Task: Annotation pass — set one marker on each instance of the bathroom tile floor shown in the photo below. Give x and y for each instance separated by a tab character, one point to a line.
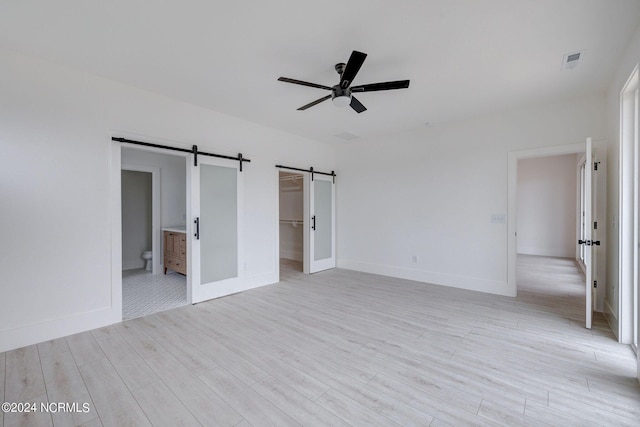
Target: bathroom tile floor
144	293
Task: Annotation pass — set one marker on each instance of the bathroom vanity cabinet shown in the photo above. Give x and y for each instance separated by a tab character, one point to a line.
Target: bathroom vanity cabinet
175	250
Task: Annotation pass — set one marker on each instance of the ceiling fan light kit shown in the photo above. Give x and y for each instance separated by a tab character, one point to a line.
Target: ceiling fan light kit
342	93
340	97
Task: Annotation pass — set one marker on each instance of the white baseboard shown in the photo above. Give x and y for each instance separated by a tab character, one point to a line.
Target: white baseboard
442	279
35	333
48	330
554	252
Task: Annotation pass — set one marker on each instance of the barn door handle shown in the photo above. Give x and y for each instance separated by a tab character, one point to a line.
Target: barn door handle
313	219
197	233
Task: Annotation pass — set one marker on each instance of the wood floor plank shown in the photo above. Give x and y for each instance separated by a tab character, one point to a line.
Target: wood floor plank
252	406
606	413
351	411
93	423
142	343
35	418
162	408
294	404
552	417
383	404
296	378
85	348
442	410
112	399
65	385
199	333
24	380
53	347
158	327
507	415
205	404
132	368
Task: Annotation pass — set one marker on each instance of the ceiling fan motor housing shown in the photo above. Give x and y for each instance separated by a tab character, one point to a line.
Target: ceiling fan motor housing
337	91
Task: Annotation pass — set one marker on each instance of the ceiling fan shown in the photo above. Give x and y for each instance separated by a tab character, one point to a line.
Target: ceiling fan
342	93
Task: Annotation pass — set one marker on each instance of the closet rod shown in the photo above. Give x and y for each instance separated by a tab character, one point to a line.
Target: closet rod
333	174
193	150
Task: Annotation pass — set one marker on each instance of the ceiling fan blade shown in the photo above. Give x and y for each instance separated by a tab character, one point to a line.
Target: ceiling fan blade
399	84
357	105
317	101
300	82
353	66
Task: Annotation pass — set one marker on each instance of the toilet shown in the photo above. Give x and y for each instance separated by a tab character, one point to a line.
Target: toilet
147	256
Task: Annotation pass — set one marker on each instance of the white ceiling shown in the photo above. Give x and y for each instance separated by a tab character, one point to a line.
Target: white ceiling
463	57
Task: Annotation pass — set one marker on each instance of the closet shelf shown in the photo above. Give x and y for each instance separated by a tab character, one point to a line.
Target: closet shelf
291	183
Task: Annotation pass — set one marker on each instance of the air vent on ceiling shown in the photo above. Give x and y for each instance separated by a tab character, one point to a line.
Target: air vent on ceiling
571	60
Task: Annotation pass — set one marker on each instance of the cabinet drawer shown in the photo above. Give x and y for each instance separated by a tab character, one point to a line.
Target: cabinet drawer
175	264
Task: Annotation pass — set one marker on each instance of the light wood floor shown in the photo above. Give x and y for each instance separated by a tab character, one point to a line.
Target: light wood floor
343	348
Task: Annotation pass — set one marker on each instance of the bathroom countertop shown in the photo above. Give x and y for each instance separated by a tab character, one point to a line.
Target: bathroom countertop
179	229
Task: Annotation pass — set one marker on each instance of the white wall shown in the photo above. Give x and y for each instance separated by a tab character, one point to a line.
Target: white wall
546	206
136	218
57	190
430	193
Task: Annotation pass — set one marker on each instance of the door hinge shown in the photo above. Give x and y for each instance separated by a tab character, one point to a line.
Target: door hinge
595	165
595	225
595	283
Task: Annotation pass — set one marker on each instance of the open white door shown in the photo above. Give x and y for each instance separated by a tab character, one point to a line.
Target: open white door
590	238
321	223
216	195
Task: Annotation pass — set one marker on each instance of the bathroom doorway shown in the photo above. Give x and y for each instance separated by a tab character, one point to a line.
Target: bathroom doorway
153	200
137	220
291	223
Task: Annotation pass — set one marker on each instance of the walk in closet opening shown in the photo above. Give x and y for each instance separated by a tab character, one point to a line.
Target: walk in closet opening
291	222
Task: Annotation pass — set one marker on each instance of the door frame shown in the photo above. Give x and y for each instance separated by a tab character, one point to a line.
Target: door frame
116	217
628	321
306	244
512	189
306	178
